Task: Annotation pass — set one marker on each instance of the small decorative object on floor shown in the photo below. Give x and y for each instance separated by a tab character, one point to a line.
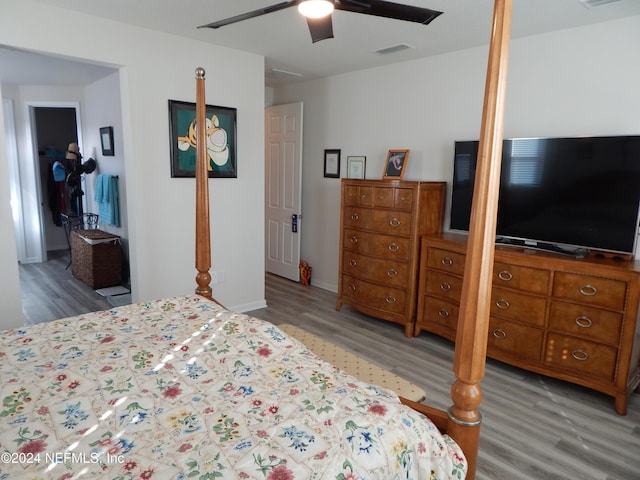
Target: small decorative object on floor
305	273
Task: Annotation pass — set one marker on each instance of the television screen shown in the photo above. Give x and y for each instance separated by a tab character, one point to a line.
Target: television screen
578	192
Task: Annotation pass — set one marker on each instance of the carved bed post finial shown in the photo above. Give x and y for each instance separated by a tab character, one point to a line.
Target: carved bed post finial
473	322
203	238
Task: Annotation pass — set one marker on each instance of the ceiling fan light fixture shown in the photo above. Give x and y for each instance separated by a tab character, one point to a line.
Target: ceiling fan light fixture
315	8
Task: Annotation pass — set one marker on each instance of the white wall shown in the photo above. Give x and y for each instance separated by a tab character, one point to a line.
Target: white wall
154	68
11	310
575	82
101	108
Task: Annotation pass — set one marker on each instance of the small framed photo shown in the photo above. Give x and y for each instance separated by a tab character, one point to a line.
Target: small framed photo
106	141
332	163
356	167
395	165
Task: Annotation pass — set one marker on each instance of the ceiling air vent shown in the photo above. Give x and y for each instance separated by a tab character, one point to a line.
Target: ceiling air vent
596	3
393	49
286	73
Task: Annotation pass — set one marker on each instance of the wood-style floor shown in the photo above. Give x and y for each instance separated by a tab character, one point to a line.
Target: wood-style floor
49	291
534	427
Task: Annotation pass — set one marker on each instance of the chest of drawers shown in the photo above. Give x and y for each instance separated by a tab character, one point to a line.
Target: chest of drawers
572	319
381	222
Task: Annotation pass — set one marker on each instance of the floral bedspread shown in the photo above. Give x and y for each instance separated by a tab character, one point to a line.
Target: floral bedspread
181	388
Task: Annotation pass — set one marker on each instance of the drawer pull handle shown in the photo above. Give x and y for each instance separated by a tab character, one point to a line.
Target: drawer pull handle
394	222
499	333
446	261
443	313
445	287
394	247
354	240
353	263
390	300
352	287
502	304
584	322
505	275
580	355
355	217
588	290
392	272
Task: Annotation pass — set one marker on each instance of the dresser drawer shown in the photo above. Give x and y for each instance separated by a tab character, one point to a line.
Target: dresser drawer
384	221
518	306
389	272
387	246
351	195
583	356
383	197
526	279
586	322
365	196
403	198
380	297
443	285
514	340
445	260
440	312
585	289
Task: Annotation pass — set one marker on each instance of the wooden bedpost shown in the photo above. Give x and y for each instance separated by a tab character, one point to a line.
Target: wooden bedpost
203	238
473	322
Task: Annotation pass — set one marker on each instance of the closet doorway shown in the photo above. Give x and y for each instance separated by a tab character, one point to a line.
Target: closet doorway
53	126
54	129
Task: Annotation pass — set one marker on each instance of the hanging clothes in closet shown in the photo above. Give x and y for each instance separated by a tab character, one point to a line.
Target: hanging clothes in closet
56	174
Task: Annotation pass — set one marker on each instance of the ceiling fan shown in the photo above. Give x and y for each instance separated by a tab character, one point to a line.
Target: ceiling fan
318	13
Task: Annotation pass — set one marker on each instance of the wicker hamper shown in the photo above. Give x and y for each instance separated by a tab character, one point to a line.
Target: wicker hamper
96	258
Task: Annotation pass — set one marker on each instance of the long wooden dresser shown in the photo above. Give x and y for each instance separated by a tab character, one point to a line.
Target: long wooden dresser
381	222
572	319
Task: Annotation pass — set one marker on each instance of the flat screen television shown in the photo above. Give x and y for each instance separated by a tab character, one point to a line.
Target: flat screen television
570	194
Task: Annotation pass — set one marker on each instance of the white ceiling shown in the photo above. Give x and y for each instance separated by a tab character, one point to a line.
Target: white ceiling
283	37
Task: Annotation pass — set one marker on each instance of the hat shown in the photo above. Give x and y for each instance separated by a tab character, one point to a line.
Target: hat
73	152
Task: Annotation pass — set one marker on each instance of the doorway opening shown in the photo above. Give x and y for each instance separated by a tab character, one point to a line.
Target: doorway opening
52	126
54	129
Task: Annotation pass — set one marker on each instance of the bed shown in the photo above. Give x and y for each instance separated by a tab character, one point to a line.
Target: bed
184	388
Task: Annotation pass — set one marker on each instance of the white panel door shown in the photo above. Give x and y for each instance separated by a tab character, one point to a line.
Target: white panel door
283	179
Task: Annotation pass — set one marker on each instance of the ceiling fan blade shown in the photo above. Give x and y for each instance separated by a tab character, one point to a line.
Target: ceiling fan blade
385	9
253	14
320	28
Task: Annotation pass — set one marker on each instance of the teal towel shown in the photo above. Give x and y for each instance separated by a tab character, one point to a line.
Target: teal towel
107	197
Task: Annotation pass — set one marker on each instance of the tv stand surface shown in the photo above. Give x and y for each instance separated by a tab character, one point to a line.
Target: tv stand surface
575	319
575	252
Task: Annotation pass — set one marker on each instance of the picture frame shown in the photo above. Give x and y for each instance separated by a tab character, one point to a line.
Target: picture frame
106	141
332	163
356	166
221	141
396	164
